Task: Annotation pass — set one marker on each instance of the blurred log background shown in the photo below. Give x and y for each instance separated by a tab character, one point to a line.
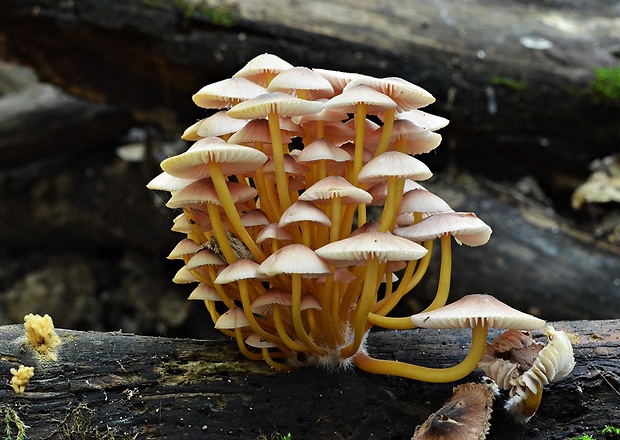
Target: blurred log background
94	93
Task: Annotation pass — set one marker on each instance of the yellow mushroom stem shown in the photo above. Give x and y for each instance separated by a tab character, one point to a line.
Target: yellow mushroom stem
426	374
358	159
277	365
243	349
347	222
247	311
445	273
220	289
280	328
408	281
215	316
386	134
532	402
220	233
200	236
297	321
278	159
335	217
219	182
390	209
365	302
329	327
267	197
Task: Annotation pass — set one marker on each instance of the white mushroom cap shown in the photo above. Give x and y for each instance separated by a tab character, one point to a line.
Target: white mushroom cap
204	292
263	304
191	132
256	68
380	245
274	102
423	120
302	211
464	226
219	124
348	100
233	318
257	130
166	182
394	164
301	78
421	200
273	232
477	309
204	257
242	269
256	341
322	149
184	276
407	95
295	259
335	186
235	159
182	248
203	191
225	93
337	79
254	217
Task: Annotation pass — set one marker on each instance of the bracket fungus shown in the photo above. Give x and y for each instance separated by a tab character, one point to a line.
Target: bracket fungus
299	269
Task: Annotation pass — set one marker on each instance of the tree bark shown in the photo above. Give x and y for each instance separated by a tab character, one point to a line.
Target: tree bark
152	387
516	78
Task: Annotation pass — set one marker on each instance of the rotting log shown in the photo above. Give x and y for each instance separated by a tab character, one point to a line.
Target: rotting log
153	387
514	77
41	121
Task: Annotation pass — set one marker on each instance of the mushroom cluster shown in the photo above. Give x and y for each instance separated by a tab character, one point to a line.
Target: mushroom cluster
273	195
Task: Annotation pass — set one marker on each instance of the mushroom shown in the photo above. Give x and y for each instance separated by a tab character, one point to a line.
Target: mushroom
479	312
208	158
297	261
395	167
465	227
371	249
360	100
519	364
465	416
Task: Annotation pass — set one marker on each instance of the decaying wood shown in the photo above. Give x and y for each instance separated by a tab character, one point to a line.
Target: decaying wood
179	388
41	121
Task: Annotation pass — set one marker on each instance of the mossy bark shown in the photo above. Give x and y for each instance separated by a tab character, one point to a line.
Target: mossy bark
127	385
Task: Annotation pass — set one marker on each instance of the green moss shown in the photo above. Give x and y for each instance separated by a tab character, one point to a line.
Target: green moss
606	83
518	85
223	15
11	419
610	431
78	425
